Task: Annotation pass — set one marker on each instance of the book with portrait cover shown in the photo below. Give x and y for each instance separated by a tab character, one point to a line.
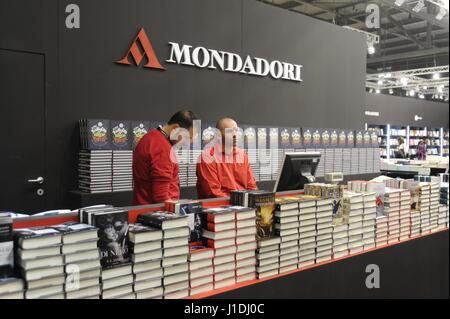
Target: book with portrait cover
139	129
121	135
113	237
192	209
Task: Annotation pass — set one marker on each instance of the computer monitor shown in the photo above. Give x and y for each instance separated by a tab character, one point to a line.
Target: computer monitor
298	169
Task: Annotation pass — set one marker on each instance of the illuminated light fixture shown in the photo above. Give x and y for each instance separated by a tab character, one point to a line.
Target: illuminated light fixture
407	93
404	81
425	87
371	49
391	91
399	2
440	90
381	75
380	82
441	14
436	76
441	97
388	75
421	96
377	91
419	6
412	93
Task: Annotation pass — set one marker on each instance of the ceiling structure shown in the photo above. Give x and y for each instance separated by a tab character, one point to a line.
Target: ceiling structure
409	39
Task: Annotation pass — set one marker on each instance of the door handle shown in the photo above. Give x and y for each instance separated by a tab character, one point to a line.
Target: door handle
39	180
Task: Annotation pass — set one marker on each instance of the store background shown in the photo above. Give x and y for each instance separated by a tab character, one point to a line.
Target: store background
76	77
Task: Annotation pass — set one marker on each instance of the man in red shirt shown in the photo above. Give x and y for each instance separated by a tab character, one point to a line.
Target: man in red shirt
155	168
223	168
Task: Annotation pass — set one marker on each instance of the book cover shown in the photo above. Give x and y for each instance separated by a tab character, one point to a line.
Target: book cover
158	218
285	138
139	129
359	139
192	209
6	246
209	132
350	139
367	140
334	138
296	138
342	139
121	138
250	137
113	238
316	138
264	202
325	137
97	134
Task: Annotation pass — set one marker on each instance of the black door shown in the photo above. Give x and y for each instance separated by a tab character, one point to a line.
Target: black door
22	127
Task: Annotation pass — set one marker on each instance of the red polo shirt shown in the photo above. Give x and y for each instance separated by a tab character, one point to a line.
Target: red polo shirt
155	171
219	174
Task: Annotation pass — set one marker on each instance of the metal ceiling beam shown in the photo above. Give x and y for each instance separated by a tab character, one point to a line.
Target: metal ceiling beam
408	55
424	16
407	33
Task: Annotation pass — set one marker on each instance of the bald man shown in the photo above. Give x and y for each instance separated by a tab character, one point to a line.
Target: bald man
224	167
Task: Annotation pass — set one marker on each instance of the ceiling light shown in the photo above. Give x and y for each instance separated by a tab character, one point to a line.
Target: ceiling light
412	93
391	91
407	93
440	90
404	81
442	13
380	82
399	2
425	87
436	76
421	96
377	91
419	6
371	49
388	75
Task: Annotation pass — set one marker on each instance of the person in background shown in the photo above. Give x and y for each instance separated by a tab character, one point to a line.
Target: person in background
421	151
402	148
223	169
155	170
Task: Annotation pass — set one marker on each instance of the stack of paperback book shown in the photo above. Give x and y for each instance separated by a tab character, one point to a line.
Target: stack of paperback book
424	206
192	167
347	161
267	255
193	210
201	272
443	217
370	214
81	259
117	273
329	160
146	255
40	262
324	229
340	239
354	168
245	243
286	227
122	172
362	160
11	288
338	162
175	250
392	211
95	171
353	212
219	231
381	231
415	223
307	230
183	161
434	206
405	214
444	194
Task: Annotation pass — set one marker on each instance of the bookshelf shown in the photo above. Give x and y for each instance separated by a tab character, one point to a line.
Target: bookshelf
382	131
395	132
433	141
445	140
416	134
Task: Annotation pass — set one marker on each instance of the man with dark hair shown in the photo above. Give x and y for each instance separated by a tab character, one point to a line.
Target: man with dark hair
224	167
155	168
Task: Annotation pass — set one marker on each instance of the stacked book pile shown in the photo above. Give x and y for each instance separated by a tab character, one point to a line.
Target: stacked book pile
307	231
122	172
192	166
40	262
381	230
183	160
175	246
287	228
201	272
267	257
340	239
95	171
443	208
79	247
265	163
219	231
353	212
424	206
392	211
362	160
376	160
253	160
146	255
338	162
329	160
369	220
324	230
434	206
321	167
11	288
346	161
405	214
354	159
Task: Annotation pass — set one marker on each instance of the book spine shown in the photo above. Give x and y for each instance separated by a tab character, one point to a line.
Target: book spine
149	221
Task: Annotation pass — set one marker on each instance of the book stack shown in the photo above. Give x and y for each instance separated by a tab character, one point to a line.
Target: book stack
201	272
182	155
80	251
245	243
347	161
376	160
392	211
443	217
369	220
362	160
117	273
443	194
40	262
434	206
381	230
193	210
95	171
192	166
146	255
11	288
122	171
286	227
268	257
424	206
307	230
338	163
405	214
415	223
175	250
324	230
265	162
354	160
329	160
444	201
320	172
340	238
254	164
219	231
353	212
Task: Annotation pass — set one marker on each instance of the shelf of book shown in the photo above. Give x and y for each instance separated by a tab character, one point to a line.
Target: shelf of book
257	281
